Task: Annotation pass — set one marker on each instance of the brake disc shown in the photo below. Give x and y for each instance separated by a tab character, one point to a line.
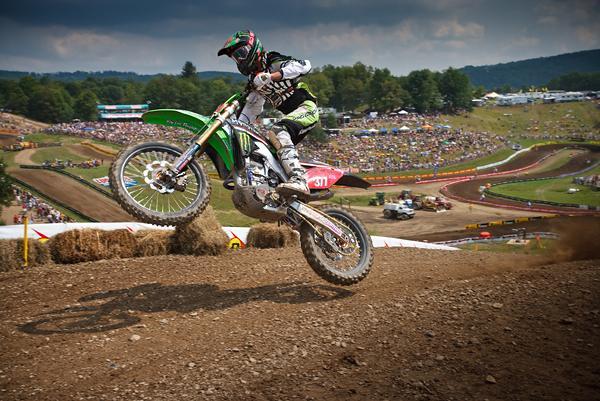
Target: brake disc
153	176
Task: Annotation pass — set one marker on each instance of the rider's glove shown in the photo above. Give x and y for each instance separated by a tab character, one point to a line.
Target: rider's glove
262	79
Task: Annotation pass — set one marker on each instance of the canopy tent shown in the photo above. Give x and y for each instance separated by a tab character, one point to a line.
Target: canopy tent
373	131
427	127
394	130
491	95
403	112
383	130
404	128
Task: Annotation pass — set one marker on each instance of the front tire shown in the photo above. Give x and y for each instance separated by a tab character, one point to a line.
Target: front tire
324	263
182	206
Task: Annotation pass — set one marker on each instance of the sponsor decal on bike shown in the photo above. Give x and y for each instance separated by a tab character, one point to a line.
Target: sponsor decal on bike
319	218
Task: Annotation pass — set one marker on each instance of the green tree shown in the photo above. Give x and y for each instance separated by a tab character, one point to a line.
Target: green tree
16	100
6	194
455	88
50	104
162	92
386	92
112	94
85	106
189	70
321	86
423	91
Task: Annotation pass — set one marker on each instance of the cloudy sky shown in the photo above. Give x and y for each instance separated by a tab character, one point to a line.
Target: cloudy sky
150	36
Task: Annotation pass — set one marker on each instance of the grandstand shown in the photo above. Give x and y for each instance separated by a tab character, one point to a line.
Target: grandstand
121	112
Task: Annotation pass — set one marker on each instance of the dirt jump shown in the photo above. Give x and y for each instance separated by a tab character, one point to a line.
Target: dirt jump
258	325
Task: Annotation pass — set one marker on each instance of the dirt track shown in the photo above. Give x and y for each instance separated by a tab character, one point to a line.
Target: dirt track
469	189
72	193
428	325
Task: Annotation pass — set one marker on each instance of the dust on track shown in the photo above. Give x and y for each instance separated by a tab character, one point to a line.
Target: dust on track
258	325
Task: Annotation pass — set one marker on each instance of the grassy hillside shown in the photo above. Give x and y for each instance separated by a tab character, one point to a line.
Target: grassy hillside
536	71
531	120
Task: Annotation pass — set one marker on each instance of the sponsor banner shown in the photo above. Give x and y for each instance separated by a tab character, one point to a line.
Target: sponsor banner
237	235
129	182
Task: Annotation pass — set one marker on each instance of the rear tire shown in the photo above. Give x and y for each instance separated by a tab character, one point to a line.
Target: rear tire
324	265
125	200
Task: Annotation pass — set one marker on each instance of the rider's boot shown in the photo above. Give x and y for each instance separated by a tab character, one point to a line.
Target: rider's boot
296	185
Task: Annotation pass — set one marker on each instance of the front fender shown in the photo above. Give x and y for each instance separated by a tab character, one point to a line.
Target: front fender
194	122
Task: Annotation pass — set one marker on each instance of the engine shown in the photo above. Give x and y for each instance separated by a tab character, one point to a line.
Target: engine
253	186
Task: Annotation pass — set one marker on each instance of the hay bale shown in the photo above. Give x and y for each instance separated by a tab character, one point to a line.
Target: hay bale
9	257
153	242
202	236
11	254
77	246
119	243
266	235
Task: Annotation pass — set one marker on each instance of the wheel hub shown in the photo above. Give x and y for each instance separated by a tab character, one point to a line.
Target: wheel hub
158	176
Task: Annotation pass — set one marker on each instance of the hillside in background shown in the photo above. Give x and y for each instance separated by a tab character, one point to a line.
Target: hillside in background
128	76
535	71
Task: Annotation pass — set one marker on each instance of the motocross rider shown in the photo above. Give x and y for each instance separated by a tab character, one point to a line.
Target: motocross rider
275	78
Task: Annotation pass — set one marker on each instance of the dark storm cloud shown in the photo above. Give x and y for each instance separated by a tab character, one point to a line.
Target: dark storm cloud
158	36
202	16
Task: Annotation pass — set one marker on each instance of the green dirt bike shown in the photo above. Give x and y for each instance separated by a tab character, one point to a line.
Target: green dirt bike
159	183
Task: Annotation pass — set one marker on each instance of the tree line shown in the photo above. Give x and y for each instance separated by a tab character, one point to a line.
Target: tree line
348	88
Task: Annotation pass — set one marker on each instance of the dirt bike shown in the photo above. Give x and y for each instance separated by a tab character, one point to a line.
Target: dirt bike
161	184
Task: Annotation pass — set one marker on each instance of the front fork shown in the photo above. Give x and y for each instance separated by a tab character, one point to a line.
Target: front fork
218	120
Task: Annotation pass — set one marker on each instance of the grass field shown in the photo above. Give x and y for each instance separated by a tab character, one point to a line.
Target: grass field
554	190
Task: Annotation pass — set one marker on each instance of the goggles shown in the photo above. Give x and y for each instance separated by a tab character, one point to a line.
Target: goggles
240	54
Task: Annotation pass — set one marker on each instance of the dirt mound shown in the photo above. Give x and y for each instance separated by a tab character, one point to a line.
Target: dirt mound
203	236
271	236
258	325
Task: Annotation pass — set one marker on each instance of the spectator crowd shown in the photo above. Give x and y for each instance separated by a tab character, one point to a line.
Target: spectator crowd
384	143
37	210
119	132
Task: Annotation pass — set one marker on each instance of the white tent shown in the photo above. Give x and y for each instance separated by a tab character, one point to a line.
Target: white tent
373	131
404	128
403	112
491	95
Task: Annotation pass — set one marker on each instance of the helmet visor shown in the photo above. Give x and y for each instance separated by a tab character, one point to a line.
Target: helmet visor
240	54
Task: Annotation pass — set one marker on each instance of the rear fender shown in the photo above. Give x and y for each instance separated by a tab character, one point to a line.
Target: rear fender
320	177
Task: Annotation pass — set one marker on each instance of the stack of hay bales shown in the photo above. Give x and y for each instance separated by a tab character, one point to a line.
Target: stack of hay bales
11	254
271	236
153	242
88	245
202	236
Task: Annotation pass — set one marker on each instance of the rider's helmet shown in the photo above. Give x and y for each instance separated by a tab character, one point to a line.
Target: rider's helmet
246	50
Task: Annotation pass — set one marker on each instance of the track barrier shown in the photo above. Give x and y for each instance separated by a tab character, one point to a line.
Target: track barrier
238	234
508	222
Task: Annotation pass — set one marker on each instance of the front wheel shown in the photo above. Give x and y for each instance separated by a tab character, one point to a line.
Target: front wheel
141	183
342	268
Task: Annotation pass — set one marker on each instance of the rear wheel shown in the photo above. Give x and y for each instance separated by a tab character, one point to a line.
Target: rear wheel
338	266
404	216
388	214
141	184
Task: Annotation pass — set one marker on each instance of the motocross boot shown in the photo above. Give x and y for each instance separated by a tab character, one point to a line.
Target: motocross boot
296	185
